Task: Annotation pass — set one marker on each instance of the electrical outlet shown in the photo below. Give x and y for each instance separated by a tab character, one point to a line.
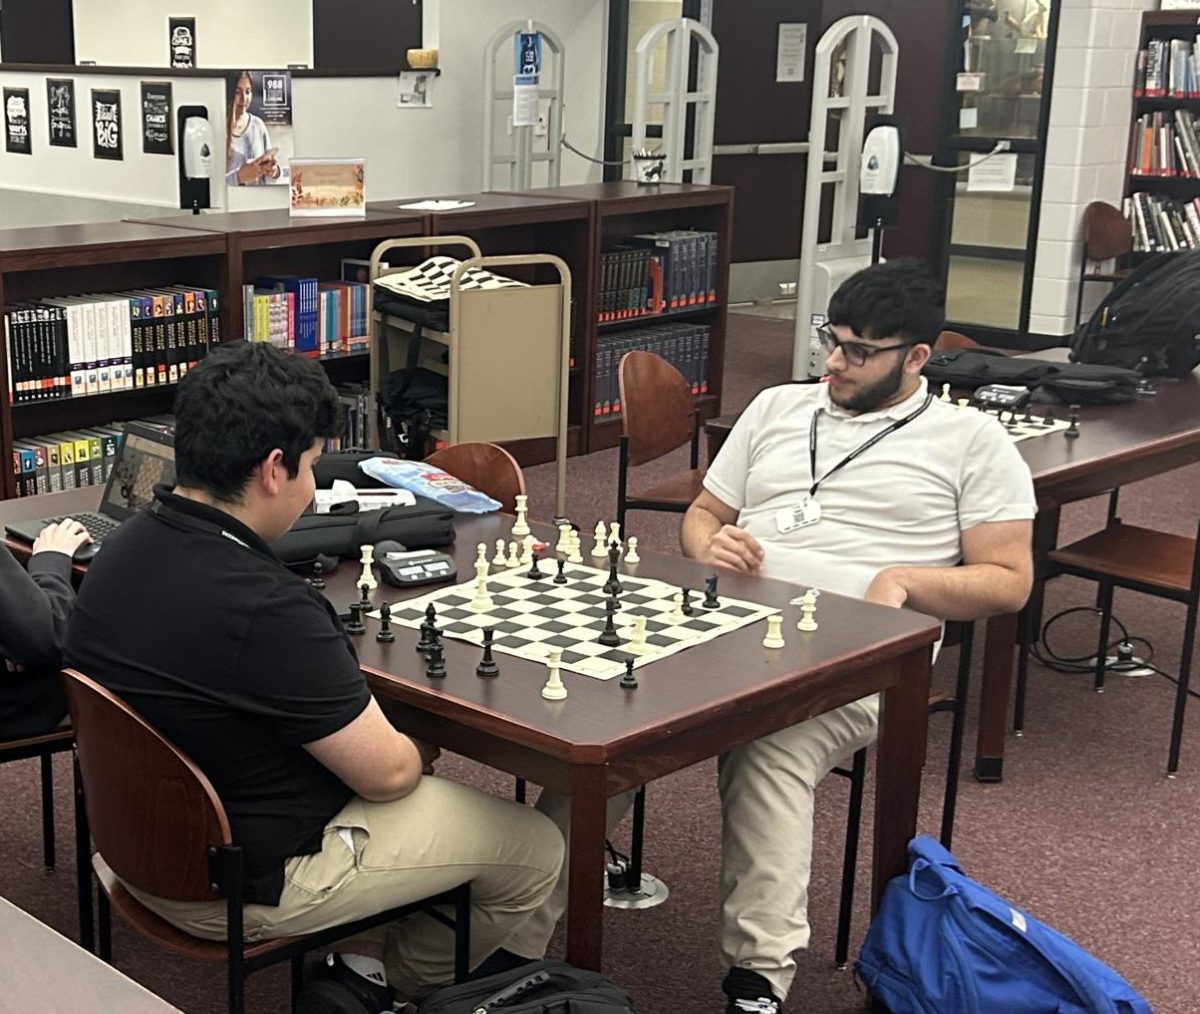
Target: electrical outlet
540	129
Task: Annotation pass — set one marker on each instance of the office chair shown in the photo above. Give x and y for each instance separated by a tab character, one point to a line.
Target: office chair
1106	236
950	341
160	828
487	467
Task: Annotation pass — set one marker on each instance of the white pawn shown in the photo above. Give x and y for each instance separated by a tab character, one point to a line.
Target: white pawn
498	560
598	548
575	552
522	526
774	638
631	553
514	555
808	606
945	393
637	643
527	551
367	577
614	534
554	690
480	554
676	616
964	402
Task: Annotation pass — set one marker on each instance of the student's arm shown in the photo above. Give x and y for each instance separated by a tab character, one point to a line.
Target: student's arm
36	604
710	535
371	757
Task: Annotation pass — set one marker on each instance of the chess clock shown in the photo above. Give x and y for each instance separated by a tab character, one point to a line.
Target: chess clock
1006	397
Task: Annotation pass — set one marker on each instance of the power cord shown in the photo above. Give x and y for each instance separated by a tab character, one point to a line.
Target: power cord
616	868
926	162
598	161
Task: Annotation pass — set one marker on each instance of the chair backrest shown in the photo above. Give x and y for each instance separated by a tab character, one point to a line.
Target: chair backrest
658	412
1106	232
153	813
948	341
487	467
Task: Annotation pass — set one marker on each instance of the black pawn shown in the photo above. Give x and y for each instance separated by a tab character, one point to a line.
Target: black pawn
436	667
710	593
384	634
608	636
560	577
365	590
1072	431
318	576
629	680
1028	419
355	624
535	573
687	607
487	665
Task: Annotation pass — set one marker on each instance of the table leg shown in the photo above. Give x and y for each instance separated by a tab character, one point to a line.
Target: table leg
998	649
585	883
899	758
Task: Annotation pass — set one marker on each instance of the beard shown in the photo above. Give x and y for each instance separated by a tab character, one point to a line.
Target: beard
872	396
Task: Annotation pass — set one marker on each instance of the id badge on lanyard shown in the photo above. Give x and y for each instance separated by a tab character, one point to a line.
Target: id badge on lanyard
807	512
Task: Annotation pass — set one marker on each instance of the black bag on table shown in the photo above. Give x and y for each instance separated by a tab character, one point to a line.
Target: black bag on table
1058	383
1150	321
541	987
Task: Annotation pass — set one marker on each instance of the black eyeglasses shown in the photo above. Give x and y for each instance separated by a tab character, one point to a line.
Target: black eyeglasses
856	353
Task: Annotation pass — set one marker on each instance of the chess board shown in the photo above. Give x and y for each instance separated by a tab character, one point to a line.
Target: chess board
1019	428
530	617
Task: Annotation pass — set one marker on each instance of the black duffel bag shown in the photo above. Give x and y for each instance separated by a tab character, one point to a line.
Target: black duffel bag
1059	383
540	987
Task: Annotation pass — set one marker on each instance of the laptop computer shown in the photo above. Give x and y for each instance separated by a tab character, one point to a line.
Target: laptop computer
145	458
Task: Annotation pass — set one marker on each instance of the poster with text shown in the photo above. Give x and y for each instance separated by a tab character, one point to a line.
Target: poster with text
258	128
60	100
156	118
106	124
16	121
181	37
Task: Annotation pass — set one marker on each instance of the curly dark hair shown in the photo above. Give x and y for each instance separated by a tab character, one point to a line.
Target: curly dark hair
896	299
244	400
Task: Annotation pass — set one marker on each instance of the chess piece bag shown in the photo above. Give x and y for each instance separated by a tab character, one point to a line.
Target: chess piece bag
942	942
967	369
425	525
1088	384
540	987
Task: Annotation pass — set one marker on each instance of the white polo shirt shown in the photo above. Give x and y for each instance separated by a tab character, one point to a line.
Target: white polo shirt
903	502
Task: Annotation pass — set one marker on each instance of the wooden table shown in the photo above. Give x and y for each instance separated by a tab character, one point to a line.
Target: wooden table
690	706
1117	445
44	971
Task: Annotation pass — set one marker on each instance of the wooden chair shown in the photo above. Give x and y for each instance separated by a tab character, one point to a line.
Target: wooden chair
658	414
43	747
160	828
949	341
487	467
1145	560
962	634
1106	236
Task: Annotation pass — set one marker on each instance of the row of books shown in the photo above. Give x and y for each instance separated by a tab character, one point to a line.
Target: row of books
304	314
1165	143
355	407
72	346
1160	223
684	346
1166	68
654	272
59	461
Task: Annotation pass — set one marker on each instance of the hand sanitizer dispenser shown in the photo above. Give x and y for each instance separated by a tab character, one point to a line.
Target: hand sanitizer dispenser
196	151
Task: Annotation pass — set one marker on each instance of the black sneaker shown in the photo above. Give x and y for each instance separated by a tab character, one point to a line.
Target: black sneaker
749	993
337	989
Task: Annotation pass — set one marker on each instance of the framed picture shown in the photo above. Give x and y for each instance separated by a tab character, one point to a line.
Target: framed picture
16	121
328	187
60	99
106	124
181	40
156	118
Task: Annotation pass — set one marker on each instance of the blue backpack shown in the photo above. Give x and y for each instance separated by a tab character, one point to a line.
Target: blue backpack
943	944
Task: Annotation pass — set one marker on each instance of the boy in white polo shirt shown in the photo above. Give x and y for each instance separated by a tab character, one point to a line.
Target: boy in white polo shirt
865	485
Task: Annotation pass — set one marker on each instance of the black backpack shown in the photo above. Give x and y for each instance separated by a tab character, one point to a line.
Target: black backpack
540	987
1150	321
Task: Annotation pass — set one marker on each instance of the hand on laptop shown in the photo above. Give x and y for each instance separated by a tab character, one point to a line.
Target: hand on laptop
64	537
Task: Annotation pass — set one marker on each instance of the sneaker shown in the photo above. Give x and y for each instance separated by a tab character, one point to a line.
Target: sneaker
338	989
749	993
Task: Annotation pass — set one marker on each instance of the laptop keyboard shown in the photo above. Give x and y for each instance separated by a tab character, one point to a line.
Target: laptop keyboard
97	525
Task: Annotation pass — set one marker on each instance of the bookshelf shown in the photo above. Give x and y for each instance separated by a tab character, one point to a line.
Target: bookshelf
1162	178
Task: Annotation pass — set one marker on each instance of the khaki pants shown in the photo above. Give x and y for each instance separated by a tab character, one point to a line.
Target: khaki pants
439	836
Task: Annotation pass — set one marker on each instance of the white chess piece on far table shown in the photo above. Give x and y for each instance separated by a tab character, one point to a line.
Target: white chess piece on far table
499	560
367	577
808	606
631	553
480	554
521	527
599	551
514	555
774	637
945	393
527	551
554	690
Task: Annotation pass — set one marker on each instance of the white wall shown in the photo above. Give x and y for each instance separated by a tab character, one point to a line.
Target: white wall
409	152
1086	147
262	35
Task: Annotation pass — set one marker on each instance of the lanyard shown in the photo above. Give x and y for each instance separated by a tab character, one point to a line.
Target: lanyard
812	443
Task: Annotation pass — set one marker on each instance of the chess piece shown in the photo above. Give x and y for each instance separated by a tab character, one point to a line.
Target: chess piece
629	680
318	576
522	526
482	600
564	539
774	637
384	635
429	631
527	551
963	402
613	585
631	553
560	577
609	636
1028	418
945	393
808	606
364	601
554	690
514	555
499	560
614	534
355	624
637	643
710	593
535	573
598	550
367	577
1072	431
686	605
480	554
435	668
676	616
575	553
487	665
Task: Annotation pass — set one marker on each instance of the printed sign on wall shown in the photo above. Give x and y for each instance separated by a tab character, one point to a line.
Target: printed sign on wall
16	121
106	123
60	99
181	37
156	118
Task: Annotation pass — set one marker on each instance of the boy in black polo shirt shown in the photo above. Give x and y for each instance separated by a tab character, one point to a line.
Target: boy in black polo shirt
247	670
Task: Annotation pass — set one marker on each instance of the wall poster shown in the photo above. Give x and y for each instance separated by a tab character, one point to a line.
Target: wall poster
258	128
106	124
60	99
16	121
156	118
181	37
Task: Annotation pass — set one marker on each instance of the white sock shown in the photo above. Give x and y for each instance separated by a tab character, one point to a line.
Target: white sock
369	968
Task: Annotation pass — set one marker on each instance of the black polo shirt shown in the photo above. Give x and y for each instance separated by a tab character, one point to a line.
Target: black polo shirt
189	617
